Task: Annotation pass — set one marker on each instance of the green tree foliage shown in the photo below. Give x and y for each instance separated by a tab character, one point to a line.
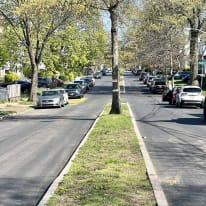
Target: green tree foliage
35	21
74	48
176	13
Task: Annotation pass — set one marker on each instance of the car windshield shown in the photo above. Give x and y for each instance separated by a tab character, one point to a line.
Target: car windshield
61	91
49	93
192	89
79	82
72	86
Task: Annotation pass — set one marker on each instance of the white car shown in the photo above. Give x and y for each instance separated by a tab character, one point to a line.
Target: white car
190	95
65	95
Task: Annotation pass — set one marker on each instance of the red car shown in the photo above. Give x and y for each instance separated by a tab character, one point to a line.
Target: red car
174	94
58	82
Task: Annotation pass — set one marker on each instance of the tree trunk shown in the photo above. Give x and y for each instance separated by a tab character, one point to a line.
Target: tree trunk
116	107
194	37
34	80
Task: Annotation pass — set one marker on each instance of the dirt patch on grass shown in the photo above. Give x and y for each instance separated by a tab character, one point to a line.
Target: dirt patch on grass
14	107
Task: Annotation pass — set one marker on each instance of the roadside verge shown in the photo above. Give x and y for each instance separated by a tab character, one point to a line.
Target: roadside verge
107	169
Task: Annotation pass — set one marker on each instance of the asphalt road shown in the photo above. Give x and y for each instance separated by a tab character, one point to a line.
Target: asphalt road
176	141
36	145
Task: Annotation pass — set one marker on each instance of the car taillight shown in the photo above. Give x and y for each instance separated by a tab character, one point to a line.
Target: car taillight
183	94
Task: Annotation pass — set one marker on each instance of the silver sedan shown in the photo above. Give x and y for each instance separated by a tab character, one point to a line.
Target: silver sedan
50	98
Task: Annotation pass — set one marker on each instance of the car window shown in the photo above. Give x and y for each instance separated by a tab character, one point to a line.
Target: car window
49	93
79	82
192	89
72	86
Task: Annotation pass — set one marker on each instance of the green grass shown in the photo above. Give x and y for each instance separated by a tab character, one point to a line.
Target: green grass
109	169
76	101
5	113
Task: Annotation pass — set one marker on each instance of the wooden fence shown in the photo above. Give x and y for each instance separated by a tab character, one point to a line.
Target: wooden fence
10	93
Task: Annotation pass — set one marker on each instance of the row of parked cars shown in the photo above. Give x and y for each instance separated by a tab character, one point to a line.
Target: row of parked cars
179	95
42	82
59	97
184	95
156	84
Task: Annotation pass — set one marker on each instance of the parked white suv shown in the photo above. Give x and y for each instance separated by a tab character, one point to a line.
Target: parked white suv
190	95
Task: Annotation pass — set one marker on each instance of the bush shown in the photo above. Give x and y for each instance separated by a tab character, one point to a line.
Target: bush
9	78
71	76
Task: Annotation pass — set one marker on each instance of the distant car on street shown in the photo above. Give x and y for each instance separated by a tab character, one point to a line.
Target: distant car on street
25	85
98	75
104	71
44	82
74	90
82	83
158	86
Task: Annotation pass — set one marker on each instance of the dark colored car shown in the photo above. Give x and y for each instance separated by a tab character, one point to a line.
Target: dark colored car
186	78
204	110
158	86
58	82
104	71
44	82
25	85
166	95
142	75
90	81
74	90
83	85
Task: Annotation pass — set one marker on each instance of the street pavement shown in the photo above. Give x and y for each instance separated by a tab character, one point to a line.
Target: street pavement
36	146
175	141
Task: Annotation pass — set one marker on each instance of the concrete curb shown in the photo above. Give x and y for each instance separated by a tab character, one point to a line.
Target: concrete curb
56	182
158	191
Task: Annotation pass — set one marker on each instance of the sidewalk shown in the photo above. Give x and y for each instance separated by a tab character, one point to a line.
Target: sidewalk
12	108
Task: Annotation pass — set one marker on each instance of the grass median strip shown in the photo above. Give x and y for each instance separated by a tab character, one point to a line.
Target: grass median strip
109	169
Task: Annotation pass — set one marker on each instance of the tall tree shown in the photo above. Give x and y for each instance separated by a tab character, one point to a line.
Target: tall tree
113	7
34	22
188	12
